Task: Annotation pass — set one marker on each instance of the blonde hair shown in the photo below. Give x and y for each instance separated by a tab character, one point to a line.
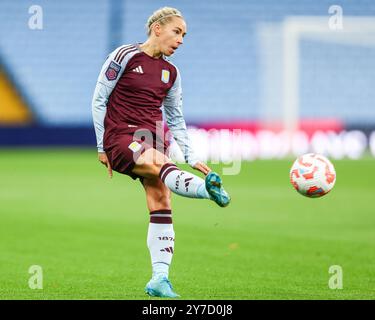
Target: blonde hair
162	16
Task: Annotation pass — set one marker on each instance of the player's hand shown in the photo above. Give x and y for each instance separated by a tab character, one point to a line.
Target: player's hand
104	160
202	167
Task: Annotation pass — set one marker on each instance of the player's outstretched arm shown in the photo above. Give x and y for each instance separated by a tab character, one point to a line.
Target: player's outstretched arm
111	71
176	123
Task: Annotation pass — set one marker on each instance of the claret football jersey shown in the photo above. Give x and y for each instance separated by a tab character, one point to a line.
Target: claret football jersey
140	84
131	89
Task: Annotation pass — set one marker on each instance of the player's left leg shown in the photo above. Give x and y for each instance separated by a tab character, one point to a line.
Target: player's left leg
160	237
152	164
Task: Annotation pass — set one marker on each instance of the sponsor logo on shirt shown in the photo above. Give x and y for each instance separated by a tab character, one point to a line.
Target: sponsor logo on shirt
113	71
165	76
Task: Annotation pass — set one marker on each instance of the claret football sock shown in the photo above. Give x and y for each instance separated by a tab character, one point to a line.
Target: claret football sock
183	183
160	241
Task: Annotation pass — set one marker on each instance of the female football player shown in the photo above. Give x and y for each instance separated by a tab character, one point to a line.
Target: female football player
135	81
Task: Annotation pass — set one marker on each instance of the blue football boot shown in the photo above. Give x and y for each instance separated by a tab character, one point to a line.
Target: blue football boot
160	287
215	189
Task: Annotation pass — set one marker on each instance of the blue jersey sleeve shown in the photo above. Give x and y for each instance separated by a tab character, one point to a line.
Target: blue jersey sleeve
176	122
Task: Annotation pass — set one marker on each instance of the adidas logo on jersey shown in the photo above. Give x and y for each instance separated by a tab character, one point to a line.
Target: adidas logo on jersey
138	69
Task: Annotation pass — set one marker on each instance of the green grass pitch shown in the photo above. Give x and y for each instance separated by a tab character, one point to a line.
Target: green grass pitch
59	210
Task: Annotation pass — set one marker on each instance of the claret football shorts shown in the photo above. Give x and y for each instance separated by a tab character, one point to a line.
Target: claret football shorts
124	149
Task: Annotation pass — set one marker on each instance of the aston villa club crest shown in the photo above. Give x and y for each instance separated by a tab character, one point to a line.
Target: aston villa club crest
165	76
112	71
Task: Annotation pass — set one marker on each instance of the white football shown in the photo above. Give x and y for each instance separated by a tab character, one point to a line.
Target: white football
312	175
